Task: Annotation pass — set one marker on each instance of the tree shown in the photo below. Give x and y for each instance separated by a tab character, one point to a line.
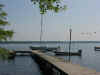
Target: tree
48	5
4	33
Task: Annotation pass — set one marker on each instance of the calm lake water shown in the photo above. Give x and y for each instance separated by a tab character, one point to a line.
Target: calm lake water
89	58
24	65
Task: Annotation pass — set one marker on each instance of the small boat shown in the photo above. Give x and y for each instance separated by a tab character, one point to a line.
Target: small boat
37	48
44	48
12	55
71	53
96	48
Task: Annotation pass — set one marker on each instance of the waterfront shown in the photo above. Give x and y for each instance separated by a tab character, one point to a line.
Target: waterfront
89	58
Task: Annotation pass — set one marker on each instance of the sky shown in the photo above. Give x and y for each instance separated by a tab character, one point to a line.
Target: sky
83	16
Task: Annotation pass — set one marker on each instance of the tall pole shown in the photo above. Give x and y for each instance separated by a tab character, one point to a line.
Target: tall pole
66	45
41	31
70	30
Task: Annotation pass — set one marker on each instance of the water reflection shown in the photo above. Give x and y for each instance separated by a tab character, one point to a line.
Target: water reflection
21	65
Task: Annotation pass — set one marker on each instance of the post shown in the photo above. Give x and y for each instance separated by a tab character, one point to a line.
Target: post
41	31
70	30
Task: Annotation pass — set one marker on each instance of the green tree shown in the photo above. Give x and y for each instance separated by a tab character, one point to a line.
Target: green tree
49	5
4	33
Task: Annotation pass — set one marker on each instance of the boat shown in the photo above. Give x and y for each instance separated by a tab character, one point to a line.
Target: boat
11	55
97	48
44	48
79	53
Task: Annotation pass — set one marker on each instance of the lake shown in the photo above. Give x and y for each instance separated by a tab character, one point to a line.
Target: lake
24	65
89	58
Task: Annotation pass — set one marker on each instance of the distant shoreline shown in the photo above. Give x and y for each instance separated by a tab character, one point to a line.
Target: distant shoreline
49	41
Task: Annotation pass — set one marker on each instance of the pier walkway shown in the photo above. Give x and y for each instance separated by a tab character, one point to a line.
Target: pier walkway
55	66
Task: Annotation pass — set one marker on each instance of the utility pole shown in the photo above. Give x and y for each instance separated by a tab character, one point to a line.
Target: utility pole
70	30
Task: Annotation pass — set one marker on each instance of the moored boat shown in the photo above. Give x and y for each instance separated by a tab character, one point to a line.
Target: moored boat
97	48
44	48
79	53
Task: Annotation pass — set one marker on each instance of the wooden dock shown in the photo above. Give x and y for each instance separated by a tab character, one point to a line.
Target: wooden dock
12	54
23	51
55	66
